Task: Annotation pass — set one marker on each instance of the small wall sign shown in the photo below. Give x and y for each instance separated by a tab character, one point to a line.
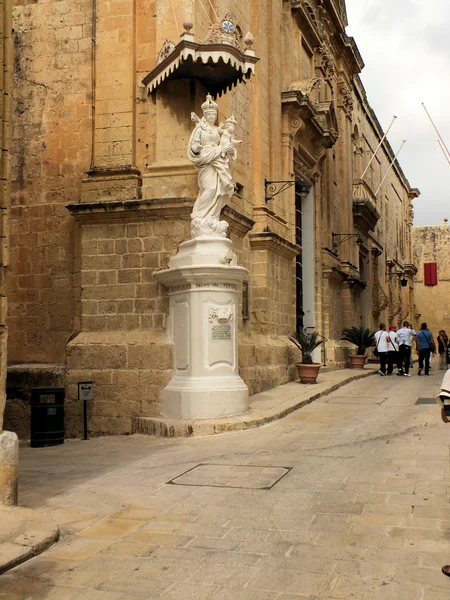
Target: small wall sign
86	390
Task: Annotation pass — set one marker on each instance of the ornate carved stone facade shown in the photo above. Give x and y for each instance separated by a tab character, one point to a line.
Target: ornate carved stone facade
103	189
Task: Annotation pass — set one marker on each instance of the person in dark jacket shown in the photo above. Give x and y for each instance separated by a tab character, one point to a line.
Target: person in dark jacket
425	346
443	350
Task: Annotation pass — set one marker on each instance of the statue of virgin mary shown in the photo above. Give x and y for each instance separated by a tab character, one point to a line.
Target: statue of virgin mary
211	159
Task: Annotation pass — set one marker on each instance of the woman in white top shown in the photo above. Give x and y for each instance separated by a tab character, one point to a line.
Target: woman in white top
393	352
382	342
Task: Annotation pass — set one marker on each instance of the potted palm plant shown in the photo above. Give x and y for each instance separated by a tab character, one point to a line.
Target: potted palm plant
307	343
362	338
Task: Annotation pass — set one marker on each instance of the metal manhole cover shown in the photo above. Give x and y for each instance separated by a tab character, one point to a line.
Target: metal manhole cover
426	401
232	476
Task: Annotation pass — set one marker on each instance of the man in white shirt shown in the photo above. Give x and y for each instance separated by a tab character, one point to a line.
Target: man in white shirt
405	336
393	352
382	342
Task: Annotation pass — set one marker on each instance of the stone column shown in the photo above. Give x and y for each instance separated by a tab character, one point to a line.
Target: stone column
9	444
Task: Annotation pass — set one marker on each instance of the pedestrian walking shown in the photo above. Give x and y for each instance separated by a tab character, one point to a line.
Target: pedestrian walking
382	341
444	402
405	336
393	353
425	347
443	350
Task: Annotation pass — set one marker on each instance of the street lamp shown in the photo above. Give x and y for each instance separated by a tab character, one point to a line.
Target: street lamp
401	274
335	242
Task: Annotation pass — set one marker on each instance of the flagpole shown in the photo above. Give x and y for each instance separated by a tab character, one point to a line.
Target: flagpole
436	129
443	151
378	147
390	167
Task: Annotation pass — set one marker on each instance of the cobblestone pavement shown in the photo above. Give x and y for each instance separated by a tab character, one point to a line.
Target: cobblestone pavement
346	498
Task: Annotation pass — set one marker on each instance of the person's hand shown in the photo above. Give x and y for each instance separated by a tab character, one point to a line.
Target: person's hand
444	416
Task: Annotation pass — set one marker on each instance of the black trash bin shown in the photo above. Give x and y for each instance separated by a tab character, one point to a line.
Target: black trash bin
47	416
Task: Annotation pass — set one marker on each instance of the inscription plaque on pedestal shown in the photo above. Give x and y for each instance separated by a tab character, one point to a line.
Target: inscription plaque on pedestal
221	332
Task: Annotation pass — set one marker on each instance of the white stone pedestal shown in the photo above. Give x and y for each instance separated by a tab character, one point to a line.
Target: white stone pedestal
203	282
9	468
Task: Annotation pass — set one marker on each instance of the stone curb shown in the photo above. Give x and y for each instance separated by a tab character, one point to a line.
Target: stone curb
170	428
24	533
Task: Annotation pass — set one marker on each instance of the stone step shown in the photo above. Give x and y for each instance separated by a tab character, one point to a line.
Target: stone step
265	407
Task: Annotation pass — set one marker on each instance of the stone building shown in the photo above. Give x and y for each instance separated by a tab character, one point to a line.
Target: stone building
103	189
431	251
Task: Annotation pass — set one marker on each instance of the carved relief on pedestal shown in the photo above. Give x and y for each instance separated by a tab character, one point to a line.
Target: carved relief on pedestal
221	349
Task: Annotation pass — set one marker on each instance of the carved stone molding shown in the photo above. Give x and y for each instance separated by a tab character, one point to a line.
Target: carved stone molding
325	61
166	50
268	240
239	223
319	117
345	98
224	32
173	208
365	213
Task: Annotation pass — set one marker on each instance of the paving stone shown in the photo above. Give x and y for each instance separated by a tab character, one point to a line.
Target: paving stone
137	513
224	576
190	591
153	538
195	529
15	584
215	544
77	548
354	588
231	594
426	576
247	535
388	509
111	529
290	581
364	569
435	593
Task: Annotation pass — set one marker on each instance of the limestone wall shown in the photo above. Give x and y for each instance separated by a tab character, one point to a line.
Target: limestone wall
52	151
432	244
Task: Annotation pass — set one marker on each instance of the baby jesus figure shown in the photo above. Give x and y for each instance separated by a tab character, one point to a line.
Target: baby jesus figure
227	139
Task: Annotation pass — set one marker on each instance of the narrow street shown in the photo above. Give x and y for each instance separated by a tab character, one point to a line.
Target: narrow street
346	498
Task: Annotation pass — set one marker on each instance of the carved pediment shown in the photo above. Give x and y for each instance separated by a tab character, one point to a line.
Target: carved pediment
308	87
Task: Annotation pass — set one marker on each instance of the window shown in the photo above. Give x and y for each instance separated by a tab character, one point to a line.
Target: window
430	273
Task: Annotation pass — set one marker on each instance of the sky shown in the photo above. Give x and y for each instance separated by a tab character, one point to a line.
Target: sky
405	45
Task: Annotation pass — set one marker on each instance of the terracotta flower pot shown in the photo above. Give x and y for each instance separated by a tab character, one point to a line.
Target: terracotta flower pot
357	361
308	373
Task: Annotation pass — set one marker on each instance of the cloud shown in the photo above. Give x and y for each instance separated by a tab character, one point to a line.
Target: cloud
405	47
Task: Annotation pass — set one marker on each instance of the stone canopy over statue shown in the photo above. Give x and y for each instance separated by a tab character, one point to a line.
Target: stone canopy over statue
212	150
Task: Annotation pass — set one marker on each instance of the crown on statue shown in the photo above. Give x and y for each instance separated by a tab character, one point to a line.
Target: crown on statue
209	105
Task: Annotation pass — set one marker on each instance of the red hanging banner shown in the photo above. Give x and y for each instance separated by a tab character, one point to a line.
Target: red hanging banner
430	273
